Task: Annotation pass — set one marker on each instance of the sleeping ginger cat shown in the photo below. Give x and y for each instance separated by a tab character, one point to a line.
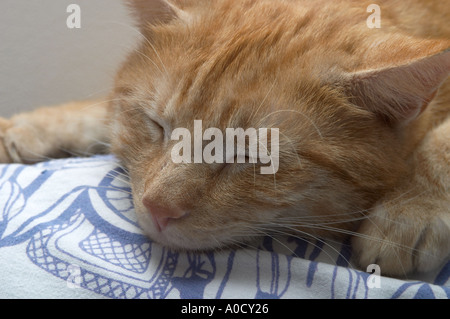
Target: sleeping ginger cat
363	117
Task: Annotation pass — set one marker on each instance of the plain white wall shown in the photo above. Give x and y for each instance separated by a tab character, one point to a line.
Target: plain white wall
43	62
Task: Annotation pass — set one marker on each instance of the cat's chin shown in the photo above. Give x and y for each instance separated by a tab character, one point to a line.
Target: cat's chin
188	245
181	243
178	242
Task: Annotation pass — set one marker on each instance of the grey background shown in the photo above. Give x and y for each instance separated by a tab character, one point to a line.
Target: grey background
43	62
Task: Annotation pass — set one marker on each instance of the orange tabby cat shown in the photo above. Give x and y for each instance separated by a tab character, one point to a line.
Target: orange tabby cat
363	116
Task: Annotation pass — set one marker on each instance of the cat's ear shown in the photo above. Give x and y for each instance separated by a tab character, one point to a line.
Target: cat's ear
156	11
399	93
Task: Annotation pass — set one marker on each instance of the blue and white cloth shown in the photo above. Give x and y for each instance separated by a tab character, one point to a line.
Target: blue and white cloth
68	230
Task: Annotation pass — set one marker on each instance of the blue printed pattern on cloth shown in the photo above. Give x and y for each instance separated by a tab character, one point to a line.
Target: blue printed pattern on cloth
74	219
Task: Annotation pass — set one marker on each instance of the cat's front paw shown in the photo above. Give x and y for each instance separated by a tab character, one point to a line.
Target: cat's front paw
402	239
4	155
26	143
22	141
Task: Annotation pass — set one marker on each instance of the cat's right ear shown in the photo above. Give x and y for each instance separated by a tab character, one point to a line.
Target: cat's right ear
402	92
155	11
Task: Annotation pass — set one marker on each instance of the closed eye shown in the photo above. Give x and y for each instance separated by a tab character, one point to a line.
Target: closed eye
158	127
239	160
156	131
243	157
238	164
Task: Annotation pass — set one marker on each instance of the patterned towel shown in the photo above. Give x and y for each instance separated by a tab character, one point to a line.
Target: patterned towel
68	230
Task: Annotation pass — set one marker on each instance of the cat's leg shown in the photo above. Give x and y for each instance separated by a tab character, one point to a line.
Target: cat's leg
78	128
409	230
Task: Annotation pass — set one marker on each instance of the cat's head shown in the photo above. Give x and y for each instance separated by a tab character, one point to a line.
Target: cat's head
263	65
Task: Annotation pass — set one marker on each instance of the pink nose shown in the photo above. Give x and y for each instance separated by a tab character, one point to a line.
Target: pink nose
162	215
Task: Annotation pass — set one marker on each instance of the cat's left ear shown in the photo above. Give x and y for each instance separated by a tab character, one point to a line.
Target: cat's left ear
399	93
157	11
